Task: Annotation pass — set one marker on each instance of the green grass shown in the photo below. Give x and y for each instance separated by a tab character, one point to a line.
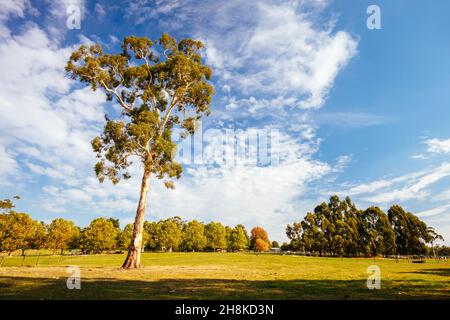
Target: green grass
221	276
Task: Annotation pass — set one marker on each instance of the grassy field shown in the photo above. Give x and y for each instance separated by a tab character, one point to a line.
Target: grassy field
221	276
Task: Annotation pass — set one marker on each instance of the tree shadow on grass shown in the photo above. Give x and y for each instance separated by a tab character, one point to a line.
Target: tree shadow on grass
106	289
445	272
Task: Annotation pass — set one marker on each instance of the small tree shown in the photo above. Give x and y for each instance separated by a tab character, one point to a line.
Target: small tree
61	234
156	95
432	237
17	232
215	236
193	236
239	238
100	235
258	233
7	205
169	234
152	231
295	233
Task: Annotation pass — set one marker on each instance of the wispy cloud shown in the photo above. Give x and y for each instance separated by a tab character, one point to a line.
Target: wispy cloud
401	188
278	51
350	120
435	211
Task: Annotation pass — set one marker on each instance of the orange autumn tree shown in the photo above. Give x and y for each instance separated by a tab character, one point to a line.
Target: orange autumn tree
259	240
261	245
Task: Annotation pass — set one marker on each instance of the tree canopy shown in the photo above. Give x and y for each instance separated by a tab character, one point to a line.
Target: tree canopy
215	236
18	231
258	233
339	228
61	234
100	235
194	236
156	93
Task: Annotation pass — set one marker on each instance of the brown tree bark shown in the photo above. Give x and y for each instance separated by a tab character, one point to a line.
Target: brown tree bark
133	259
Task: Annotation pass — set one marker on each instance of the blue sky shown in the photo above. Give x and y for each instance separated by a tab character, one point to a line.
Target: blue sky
359	112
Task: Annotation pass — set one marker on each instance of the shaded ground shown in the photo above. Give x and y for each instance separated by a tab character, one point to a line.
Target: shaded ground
224	276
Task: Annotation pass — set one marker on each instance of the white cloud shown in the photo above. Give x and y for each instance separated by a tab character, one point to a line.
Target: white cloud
418	157
287	43
45	123
14	9
8	166
55	20
438	146
278	50
284	54
342	162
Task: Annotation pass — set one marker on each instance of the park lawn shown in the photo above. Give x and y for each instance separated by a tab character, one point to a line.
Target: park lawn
221	276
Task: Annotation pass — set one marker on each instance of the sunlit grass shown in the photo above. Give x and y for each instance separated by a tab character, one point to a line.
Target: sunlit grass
222	276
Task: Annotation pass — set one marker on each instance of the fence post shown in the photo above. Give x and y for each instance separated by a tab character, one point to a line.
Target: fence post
23	260
37	261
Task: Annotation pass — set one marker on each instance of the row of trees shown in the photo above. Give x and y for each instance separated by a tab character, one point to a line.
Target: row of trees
339	228
335	228
18	231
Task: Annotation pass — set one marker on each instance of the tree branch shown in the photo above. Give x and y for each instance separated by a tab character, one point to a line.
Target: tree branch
166	116
119	98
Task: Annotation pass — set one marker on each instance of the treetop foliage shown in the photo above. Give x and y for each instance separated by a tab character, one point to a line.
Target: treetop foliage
339	228
156	92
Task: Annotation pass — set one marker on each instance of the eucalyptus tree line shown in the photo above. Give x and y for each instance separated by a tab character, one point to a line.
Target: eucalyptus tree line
339	228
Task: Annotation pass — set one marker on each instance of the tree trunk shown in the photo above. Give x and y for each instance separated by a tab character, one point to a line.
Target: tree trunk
434	252
133	259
